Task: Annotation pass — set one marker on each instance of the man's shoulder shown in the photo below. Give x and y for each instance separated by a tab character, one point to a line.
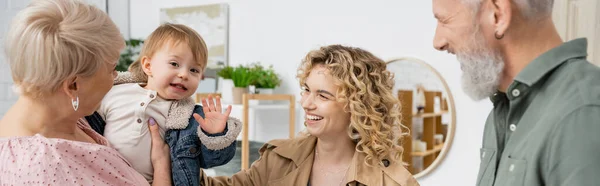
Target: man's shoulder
586	79
577	81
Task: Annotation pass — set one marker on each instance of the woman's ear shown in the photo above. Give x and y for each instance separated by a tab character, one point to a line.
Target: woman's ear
146	65
71	88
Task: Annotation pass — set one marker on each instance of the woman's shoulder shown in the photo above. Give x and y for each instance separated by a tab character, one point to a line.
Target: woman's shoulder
399	174
295	149
299	141
37	159
39	146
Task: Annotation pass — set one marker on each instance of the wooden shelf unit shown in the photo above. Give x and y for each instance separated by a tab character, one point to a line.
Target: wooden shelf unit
428	115
432	125
245	107
435	149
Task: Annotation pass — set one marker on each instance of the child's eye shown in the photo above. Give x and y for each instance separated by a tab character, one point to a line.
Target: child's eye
172	63
194	70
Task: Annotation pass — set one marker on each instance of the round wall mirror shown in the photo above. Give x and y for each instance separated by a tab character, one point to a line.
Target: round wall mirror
427	110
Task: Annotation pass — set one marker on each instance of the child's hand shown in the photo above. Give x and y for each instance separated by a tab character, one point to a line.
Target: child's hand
214	121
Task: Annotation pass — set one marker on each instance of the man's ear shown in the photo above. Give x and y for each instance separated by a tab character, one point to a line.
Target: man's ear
502	16
145	63
71	88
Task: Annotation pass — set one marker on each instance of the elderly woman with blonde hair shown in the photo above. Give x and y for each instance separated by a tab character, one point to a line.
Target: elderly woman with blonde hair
62	55
353	124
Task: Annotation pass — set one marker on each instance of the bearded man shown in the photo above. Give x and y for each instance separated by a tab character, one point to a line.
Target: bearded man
545	124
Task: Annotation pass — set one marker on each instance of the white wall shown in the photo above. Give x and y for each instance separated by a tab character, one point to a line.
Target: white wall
8	9
281	33
118	10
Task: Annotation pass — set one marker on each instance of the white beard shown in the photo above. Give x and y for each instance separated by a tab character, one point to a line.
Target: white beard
482	69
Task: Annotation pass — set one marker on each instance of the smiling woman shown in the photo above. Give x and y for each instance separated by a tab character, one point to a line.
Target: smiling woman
353	125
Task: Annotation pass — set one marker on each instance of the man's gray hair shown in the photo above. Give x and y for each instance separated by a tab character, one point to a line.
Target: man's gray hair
530	9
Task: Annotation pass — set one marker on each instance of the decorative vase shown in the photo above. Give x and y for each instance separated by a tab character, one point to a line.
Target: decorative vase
264	90
238	92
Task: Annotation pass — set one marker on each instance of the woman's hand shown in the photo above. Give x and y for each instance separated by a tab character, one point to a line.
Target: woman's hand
215	120
160	156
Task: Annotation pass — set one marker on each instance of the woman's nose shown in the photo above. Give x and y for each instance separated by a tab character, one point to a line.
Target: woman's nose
307	102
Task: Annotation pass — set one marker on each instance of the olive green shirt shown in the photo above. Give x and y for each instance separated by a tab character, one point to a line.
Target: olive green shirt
545	130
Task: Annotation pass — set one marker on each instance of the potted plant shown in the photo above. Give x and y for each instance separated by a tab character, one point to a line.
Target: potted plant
226	84
129	54
267	81
242	77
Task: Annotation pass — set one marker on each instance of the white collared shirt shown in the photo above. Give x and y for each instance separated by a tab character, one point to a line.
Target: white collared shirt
126	109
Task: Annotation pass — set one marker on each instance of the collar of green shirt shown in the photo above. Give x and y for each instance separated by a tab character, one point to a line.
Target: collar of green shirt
548	61
545	63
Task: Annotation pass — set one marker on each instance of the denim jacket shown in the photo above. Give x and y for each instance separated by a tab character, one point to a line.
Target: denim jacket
188	154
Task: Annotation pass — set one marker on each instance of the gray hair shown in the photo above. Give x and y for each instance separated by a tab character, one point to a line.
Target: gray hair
530	9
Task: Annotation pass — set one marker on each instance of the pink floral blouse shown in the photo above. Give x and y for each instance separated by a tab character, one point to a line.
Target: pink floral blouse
37	160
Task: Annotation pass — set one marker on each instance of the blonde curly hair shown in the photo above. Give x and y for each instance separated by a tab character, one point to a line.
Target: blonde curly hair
365	89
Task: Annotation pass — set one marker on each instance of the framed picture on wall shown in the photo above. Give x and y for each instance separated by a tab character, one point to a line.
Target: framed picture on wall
211	22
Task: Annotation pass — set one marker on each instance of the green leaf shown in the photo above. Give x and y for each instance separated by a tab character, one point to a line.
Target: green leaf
226	72
243	76
267	78
132	49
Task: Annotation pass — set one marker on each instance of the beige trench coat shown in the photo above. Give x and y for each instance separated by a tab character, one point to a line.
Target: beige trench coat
289	162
